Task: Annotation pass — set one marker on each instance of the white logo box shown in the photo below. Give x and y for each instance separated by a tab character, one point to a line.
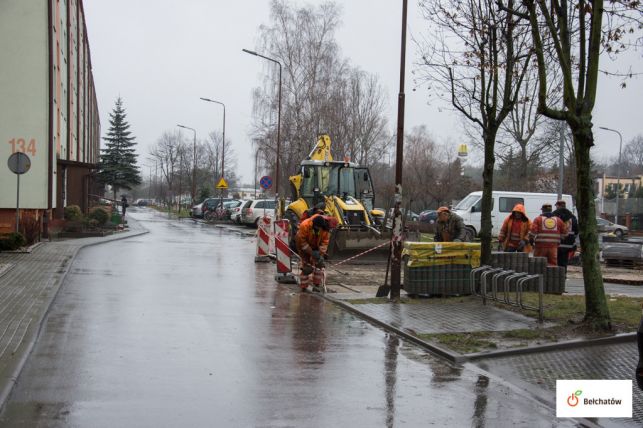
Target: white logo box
594	398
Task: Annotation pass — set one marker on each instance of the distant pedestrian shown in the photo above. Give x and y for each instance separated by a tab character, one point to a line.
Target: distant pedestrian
449	227
514	233
545	235
124	205
567	245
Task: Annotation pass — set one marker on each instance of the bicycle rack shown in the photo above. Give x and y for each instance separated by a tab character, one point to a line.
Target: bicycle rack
518	279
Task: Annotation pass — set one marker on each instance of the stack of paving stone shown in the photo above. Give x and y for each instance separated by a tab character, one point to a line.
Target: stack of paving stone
439	268
554	276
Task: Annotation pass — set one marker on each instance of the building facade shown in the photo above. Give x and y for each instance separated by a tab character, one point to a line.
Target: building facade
49	111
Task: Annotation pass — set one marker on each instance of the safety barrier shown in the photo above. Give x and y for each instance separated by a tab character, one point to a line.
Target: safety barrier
284	264
484	276
263	240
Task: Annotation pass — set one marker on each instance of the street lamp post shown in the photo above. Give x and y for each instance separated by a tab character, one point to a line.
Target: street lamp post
223	149
618	168
278	117
193	163
256	160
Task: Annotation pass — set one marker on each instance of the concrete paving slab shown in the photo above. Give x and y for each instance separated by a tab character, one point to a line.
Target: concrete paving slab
538	372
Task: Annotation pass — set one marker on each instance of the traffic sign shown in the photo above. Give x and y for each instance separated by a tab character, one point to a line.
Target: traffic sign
265	182
222	184
19	163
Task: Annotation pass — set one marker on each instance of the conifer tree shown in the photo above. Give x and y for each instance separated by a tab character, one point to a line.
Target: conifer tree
117	166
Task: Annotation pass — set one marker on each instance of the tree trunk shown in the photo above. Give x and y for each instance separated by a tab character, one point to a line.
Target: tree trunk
487	196
596	311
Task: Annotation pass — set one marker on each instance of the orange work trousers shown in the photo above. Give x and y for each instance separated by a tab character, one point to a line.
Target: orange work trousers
550	252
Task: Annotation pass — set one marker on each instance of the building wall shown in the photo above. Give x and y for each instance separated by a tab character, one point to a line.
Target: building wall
602	184
49	109
24	110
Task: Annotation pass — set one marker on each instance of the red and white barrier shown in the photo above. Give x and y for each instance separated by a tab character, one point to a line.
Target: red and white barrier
284	266
282	228
263	239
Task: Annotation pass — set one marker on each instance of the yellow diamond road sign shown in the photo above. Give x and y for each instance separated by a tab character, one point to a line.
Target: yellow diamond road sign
222	184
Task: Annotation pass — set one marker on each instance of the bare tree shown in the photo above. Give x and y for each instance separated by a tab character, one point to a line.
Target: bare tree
166	153
210	159
632	159
576	33
477	56
321	91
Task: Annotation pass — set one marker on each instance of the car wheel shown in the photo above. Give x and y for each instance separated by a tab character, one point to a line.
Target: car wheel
469	234
618	233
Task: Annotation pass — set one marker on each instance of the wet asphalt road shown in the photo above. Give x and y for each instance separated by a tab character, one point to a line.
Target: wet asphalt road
180	328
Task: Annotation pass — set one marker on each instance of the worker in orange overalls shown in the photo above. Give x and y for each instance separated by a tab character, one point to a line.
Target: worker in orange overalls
312	241
514	233
545	235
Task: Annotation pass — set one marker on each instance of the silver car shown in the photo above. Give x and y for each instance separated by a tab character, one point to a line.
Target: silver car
605	226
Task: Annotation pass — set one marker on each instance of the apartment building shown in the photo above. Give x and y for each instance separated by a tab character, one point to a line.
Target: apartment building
49	109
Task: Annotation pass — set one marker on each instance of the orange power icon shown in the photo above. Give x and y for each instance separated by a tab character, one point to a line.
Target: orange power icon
572	400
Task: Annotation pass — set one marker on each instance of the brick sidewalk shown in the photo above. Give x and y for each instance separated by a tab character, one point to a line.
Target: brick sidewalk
535	372
27	288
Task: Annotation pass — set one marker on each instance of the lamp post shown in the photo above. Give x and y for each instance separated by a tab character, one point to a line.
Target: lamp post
193	163
256	163
223	149
618	168
278	117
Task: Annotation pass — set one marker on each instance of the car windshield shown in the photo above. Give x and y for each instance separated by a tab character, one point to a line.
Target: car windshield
467	202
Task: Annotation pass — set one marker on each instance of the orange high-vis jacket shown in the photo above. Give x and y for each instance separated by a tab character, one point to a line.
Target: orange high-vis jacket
547	231
507	238
308	240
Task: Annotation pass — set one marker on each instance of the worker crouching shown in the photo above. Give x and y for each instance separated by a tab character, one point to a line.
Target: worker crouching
312	241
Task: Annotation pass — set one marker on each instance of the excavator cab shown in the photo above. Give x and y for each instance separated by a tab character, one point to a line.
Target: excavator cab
348	193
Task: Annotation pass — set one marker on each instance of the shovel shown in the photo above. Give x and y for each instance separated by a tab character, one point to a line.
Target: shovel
385	289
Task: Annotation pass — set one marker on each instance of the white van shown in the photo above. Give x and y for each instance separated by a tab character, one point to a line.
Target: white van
503	202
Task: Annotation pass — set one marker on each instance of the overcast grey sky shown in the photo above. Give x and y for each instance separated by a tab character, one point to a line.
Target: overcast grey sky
162	55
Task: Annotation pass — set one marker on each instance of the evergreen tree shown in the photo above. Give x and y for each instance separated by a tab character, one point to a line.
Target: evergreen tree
117	166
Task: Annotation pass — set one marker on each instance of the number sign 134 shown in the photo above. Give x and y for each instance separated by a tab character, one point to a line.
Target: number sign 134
21	145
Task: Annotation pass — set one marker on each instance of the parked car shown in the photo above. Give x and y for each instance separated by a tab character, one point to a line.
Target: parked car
605	226
234	210
410	216
427	221
198	210
428	216
254	209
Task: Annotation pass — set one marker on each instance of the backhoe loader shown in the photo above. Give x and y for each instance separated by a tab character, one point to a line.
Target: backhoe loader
348	194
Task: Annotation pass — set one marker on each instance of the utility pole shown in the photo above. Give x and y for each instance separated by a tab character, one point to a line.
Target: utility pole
396	259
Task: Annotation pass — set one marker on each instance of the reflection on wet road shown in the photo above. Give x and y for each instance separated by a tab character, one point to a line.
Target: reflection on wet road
180	327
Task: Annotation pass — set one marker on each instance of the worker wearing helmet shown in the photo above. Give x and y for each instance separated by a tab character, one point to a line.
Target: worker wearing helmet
449	227
514	233
545	234
312	241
